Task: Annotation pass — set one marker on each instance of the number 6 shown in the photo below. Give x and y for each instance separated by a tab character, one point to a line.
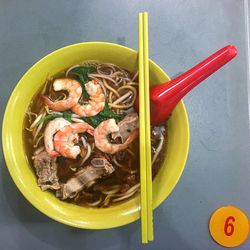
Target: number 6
229	227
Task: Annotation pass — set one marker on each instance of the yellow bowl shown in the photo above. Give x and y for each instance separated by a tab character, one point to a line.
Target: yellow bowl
21	171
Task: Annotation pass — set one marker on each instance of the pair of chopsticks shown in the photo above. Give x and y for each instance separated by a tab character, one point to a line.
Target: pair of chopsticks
145	133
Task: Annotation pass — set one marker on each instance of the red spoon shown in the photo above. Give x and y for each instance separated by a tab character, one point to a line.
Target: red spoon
164	97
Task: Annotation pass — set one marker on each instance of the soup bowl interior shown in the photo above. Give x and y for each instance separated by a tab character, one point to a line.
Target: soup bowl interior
23	174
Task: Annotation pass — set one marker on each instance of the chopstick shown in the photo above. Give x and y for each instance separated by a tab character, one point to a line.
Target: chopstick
145	145
143	173
148	130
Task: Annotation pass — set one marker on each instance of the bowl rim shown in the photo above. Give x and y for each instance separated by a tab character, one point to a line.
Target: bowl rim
5	141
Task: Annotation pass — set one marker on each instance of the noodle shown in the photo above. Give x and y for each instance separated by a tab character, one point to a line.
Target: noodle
36	121
132	84
38	130
95	203
125	106
110	190
87	155
131	152
102	76
110	88
39	150
122	98
63	96
135	76
117	163
159	148
73	67
37	141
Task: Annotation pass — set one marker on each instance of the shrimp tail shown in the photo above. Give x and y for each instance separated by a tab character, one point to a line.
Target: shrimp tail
132	136
74	93
90	131
54	154
47	101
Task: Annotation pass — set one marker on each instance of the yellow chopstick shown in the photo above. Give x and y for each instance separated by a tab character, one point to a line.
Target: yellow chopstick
145	133
143	173
147	129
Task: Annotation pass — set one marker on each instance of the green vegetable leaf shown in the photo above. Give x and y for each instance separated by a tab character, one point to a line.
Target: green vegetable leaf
49	117
110	114
94	121
67	115
104	115
82	72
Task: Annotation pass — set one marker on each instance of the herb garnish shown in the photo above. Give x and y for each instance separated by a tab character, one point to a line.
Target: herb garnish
105	114
82	73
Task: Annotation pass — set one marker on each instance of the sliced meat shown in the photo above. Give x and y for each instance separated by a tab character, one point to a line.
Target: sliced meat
101	162
46	171
99	154
157	131
85	178
122	156
126	126
124	188
130	179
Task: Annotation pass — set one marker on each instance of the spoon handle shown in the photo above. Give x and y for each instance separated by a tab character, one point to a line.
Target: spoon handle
164	97
174	90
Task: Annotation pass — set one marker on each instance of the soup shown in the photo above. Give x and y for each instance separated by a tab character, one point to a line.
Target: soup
81	135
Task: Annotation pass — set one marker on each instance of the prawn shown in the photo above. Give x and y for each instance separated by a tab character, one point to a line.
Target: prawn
75	91
96	103
51	128
104	129
65	138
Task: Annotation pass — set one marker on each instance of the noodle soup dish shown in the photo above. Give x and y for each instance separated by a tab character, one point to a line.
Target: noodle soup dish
81	133
70	136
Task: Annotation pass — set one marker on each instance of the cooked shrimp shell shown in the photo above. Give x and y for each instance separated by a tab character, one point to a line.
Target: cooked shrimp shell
74	89
96	103
101	140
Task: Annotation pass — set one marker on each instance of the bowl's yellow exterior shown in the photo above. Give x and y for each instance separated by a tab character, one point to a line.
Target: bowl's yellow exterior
21	171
